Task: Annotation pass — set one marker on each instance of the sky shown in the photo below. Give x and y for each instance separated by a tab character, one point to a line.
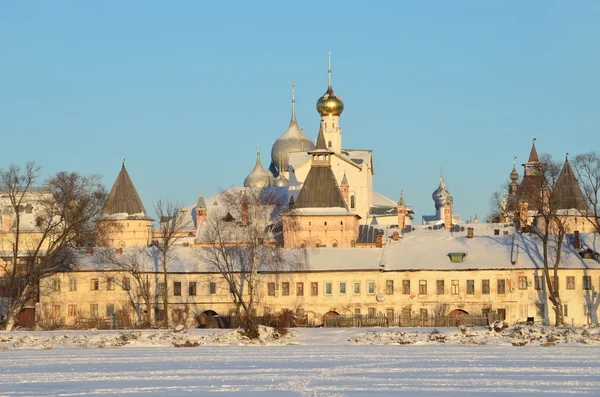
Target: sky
184	90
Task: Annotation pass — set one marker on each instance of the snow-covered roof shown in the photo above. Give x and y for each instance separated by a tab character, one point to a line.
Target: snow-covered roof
412	252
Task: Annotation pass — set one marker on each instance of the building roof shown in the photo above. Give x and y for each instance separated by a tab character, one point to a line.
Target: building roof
426	251
567	192
123	201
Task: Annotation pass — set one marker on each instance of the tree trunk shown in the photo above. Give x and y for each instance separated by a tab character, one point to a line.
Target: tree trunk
166	302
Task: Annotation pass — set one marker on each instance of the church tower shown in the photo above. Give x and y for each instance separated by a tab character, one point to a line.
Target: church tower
124	219
330	107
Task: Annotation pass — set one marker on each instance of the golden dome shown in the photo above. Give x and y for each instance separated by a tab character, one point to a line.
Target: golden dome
330	104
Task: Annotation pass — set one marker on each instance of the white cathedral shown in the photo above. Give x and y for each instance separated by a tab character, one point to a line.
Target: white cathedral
352	168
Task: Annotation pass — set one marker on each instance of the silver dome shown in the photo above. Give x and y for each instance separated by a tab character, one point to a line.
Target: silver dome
292	140
258	177
441	196
281	181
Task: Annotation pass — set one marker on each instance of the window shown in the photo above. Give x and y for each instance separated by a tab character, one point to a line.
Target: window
470	287
110	285
371	287
192	288
72	310
342	288
328	143
372	312
161	289
455	289
502	314
352	202
285	289
327	288
299	289
357	311
439	287
72	284
212	288
522	282
177	288
422	287
406	287
356	288
126	284
314	289
271	289
389	313
95	284
423	313
571	282
110	309
389	287
56	285
94	310
587	282
56	311
539	282
485	287
501	290
406	314
565	310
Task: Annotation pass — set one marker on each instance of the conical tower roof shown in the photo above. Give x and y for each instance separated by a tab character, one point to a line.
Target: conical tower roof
320	189
567	192
201	203
533	156
123	200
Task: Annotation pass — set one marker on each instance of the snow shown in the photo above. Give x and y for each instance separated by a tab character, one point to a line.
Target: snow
316	362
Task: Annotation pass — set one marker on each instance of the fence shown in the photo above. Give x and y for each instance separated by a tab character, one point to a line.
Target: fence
346	321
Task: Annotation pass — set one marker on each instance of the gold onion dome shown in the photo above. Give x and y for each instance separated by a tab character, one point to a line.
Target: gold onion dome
292	140
258	177
514	175
330	104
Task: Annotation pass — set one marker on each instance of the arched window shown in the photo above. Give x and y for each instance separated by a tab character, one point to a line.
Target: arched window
352	202
325	223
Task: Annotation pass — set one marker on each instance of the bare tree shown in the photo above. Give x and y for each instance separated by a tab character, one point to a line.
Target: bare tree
243	240
172	222
43	224
587	169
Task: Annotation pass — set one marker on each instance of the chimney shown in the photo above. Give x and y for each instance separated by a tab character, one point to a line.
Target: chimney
448	216
90	249
523	213
378	239
469	232
244	208
576	240
395	236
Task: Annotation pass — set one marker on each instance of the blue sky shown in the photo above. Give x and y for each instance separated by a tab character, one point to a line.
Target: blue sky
184	90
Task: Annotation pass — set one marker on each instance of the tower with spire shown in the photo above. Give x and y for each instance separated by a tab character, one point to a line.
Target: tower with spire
124	220
330	107
319	216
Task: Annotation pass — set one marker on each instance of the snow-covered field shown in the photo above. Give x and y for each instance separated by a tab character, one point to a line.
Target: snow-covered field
316	362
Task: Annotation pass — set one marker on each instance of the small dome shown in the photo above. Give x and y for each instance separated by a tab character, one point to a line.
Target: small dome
441	196
514	175
281	181
330	104
258	177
